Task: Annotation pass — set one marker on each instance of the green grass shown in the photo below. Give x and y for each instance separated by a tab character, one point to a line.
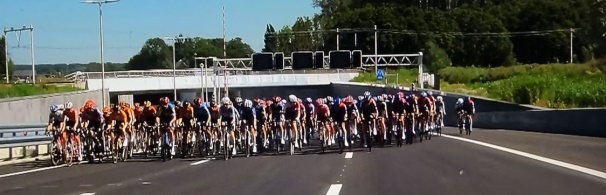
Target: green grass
20	90
550	85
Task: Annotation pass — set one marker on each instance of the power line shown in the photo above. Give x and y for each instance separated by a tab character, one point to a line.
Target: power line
71	48
427	33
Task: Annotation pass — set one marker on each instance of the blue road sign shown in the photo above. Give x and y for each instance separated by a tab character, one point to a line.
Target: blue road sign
380	74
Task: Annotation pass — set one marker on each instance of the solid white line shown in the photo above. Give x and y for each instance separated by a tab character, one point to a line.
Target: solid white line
334	189
30	171
535	157
199	162
87	194
349	155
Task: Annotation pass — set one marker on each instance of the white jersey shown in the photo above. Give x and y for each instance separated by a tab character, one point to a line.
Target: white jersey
55	117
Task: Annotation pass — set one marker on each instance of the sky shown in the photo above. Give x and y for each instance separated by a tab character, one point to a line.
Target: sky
67	31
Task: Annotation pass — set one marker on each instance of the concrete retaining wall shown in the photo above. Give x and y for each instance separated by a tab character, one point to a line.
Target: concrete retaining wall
35	109
585	122
493	114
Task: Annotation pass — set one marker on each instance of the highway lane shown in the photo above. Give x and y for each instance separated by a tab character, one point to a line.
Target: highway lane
584	151
439	166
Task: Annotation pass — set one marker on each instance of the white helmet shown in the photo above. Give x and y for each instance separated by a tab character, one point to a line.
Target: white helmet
308	100
69	105
292	98
225	100
460	100
61	106
430	93
439	98
283	101
248	103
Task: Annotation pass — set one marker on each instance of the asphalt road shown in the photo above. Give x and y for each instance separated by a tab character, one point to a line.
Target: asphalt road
439	166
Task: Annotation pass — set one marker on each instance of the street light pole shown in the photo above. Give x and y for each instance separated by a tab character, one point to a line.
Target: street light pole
100	3
175	39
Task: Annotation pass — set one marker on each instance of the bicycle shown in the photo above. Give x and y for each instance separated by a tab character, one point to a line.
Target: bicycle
322	134
165	149
439	122
371	126
68	150
467	124
118	149
247	140
226	139
56	155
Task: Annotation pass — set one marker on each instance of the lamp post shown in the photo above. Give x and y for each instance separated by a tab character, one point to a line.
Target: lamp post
99	3
175	39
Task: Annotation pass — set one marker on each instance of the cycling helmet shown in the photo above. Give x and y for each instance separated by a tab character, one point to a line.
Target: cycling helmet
367	94
337	100
198	101
147	103
380	98
283	102
69	105
349	99
186	104
460	100
248	103
439	98
165	100
329	99
424	94
292	98
374	98
225	100
468	98
61	106
54	108
430	93
238	100
320	101
308	100
116	108
360	97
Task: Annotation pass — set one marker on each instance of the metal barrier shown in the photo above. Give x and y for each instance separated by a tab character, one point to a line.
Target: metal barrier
21	141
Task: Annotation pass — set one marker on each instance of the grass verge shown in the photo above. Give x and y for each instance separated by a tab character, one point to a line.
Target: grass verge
20	90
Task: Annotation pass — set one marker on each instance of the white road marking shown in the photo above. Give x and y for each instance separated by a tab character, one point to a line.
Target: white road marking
199	162
334	189
146	183
30	171
349	155
535	157
87	194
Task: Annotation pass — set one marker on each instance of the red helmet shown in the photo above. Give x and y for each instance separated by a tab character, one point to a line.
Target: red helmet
165	100
198	101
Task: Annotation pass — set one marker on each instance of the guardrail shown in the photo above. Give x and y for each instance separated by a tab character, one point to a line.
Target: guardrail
21	141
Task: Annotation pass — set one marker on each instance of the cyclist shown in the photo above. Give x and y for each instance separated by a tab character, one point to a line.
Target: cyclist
261	111
340	117
167	115
138	112
118	122
248	114
310	117
277	115
323	117
149	114
369	113
432	108
228	115
460	112
352	113
440	110
55	123
215	120
412	111
399	110
470	110
71	121
202	114
292	115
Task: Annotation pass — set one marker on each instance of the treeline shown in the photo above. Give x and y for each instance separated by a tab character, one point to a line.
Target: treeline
483	33
157	54
63	69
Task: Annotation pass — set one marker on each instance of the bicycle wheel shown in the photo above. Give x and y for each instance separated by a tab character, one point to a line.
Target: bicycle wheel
55	155
247	139
340	140
68	154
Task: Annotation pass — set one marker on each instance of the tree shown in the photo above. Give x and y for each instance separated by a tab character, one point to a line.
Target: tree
11	65
155	54
236	48
271	39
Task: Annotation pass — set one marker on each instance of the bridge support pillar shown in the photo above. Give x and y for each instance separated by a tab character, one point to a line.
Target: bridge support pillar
126	98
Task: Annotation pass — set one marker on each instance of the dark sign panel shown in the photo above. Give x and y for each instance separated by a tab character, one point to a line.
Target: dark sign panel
356	58
262	61
279	60
319	59
340	59
302	60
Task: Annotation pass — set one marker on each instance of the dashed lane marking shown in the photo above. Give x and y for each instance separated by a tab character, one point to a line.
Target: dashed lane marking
349	155
199	162
30	171
334	189
581	169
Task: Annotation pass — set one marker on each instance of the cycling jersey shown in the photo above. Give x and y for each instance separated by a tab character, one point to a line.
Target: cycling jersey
228	114
201	113
469	107
149	115
340	112
277	111
310	110
70	116
248	114
260	111
351	109
382	109
440	107
389	107
55	118
424	104
459	107
368	107
120	116
323	112
292	110
398	105
186	112
166	114
215	114
94	115
411	105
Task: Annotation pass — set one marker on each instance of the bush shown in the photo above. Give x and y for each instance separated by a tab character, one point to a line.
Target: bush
552	90
435	58
484	75
19	90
